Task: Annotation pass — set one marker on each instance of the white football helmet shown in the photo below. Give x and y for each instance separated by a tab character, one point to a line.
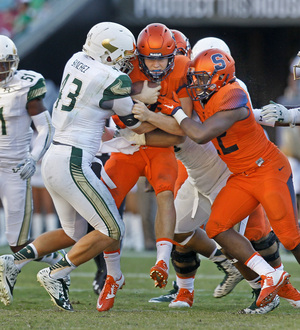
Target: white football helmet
9	60
111	44
208	43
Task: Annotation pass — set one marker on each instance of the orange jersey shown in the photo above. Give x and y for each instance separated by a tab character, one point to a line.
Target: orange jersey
174	82
243	145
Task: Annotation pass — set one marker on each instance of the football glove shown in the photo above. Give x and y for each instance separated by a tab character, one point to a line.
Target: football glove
169	106
26	168
275	112
133	137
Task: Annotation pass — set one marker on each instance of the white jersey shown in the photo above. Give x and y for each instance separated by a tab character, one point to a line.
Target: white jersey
78	114
204	166
16	133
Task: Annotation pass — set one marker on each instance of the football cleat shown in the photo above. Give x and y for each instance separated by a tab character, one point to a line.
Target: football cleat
270	285
231	279
253	309
8	278
289	293
184	298
107	297
170	296
56	288
159	273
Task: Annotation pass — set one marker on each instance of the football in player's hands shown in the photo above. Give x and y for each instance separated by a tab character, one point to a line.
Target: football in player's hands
136	88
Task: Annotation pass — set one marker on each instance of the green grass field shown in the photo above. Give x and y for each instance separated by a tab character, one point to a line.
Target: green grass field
33	309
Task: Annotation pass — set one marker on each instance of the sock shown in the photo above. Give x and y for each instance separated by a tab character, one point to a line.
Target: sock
257	263
217	256
255	284
62	268
164	248
185	282
25	255
51	221
280	267
53	257
112	260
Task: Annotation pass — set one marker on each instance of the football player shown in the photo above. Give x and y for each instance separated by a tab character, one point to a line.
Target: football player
94	87
182	44
228	121
156	62
207	175
21	104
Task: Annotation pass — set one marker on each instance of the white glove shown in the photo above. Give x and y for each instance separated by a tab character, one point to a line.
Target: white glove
131	136
148	95
26	168
276	112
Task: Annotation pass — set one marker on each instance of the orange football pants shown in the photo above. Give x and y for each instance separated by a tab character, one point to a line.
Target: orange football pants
258	225
182	176
158	165
271	185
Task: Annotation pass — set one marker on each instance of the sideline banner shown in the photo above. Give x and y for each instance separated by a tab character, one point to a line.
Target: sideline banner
209	12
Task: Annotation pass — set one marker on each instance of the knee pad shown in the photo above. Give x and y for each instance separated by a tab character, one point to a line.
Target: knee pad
190	258
265	244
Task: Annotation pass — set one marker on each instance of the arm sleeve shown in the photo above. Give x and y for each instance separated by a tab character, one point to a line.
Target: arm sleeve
123	107
45	130
116	97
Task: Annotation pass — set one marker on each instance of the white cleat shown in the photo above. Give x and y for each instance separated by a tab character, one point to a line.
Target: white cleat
8	277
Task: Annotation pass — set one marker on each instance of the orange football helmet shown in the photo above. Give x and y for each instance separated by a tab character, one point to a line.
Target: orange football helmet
208	72
182	43
156	41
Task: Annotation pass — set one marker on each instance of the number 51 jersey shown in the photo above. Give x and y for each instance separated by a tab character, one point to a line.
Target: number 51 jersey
16	133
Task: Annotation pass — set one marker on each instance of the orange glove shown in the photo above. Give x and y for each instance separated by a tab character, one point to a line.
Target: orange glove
168	106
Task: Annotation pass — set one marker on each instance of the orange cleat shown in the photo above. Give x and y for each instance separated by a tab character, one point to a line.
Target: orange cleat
184	298
270	285
159	273
289	293
107	296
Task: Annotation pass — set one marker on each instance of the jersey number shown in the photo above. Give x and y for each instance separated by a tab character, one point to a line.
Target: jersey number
225	150
28	76
71	96
3	126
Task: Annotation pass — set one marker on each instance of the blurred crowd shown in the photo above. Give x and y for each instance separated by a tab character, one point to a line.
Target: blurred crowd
16	15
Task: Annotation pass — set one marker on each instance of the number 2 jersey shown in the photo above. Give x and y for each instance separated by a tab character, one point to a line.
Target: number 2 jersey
81	110
16	132
244	145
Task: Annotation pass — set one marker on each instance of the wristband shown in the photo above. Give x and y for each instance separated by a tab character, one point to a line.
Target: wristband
179	115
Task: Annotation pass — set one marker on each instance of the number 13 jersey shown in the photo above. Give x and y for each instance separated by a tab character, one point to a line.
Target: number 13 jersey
79	115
